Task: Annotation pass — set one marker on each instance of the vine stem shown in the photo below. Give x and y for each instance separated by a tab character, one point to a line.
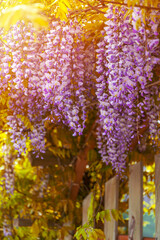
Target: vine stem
104	5
134	6
153	84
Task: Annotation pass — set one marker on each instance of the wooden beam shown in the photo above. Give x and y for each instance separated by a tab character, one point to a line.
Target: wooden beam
136	201
111	202
23	222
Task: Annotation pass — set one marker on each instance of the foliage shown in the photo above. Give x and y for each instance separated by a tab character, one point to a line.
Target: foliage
88	230
115	101
58	82
36	196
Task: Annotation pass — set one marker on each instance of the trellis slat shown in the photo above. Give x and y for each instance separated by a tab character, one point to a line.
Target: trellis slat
136	201
111	202
85	207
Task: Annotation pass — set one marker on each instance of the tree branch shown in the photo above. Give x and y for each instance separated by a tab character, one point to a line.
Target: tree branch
104	5
81	163
136	5
153	84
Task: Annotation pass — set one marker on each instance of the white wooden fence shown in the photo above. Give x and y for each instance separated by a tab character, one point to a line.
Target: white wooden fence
135	227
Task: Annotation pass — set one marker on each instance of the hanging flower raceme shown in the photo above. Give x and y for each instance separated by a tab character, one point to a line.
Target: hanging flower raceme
102	96
44	78
125	66
64	72
148	102
49	76
23	86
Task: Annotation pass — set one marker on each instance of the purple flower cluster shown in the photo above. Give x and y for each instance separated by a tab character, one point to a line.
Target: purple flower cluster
20	73
50	76
64	62
44	76
149	97
125	60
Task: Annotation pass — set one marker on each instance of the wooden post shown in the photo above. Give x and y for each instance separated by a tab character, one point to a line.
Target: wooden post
136	201
85	205
111	202
157	194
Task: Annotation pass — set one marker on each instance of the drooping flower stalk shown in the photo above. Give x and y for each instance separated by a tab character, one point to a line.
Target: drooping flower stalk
129	62
46	80
50	77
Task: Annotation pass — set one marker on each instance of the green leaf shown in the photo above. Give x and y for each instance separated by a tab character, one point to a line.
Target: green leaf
107	215
84	234
97	217
93	235
115	214
63	7
91	208
67	3
35	229
100	234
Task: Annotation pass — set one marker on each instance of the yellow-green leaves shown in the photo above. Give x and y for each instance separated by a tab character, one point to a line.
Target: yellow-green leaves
35	229
62	10
31	12
106	214
103	215
115	214
90	212
59	8
87	232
